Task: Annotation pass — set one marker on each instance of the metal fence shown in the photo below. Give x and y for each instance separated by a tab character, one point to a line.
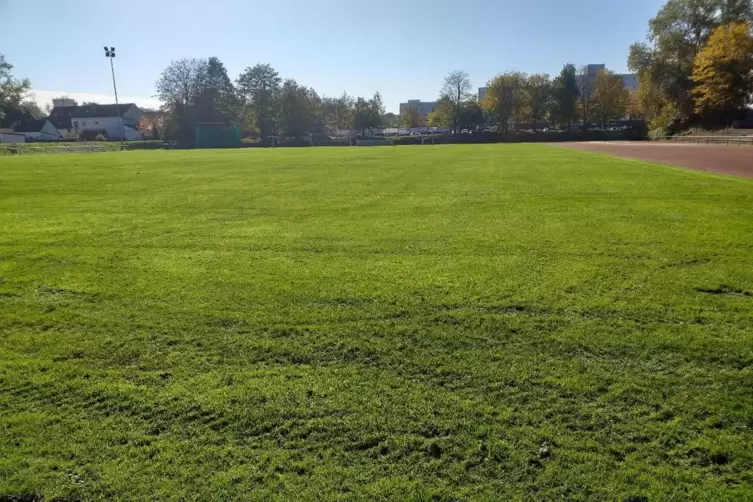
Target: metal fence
374	142
711	140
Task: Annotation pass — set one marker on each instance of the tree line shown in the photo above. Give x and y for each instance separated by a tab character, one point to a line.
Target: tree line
513	98
696	67
259	101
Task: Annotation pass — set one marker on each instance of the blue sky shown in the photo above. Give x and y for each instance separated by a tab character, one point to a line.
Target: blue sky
402	49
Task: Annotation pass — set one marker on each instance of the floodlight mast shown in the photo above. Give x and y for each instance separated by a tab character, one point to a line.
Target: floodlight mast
110	54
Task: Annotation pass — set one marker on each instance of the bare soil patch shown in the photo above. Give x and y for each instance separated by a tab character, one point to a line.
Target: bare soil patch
734	160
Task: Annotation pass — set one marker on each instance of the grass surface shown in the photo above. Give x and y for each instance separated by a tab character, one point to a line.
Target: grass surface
414	323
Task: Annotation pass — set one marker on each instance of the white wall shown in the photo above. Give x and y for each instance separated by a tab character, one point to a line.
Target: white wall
110	124
6	137
132	116
49	132
133	134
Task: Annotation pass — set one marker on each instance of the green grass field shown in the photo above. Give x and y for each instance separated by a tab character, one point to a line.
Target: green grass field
487	322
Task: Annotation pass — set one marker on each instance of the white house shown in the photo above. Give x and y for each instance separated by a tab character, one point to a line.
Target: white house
39	129
95	117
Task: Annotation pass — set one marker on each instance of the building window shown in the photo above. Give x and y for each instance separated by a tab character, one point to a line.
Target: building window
75	125
83	123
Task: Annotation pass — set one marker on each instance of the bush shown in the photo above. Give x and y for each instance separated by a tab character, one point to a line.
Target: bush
657	133
93	135
668	119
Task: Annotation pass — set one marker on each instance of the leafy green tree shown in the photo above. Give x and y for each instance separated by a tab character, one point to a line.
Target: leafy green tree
217	100
299	109
390	120
318	123
339	112
610	98
657	109
471	115
538	94
361	115
505	99
179	88
260	86
443	114
368	114
247	121
723	70
376	109
196	90
12	90
435	119
634	110
410	118
564	97
456	89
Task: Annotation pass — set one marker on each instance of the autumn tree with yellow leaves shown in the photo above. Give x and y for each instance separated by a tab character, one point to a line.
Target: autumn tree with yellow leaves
610	98
410	118
723	70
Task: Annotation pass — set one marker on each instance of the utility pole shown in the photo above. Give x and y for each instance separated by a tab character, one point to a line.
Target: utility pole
110	54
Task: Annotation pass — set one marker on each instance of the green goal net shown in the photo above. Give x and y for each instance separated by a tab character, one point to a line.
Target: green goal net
217	135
